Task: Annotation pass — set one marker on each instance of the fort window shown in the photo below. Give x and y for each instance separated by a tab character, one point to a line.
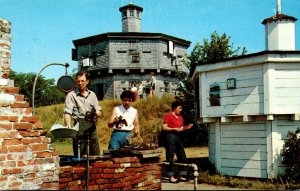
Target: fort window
131	13
136	58
124	14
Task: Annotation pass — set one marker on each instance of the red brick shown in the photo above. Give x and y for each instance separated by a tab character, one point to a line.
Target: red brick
78	170
48	185
64	169
9	118
2	157
148	182
39	147
119	175
19	105
6	126
135	165
104	187
29	133
3	150
11	142
129	187
10	90
17	148
95	176
130	169
2	178
107	164
23	126
156	186
78	176
39	125
21	163
97	170
14	184
126	160
30	140
65	180
11	171
128	178
74	183
31	119
130	174
28	111
92	187
108	171
141	169
101	181
107	175
19	97
141	188
118	185
44	154
77	188
62	186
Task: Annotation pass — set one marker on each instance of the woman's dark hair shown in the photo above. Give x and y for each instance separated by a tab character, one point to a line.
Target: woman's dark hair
83	73
176	104
127	94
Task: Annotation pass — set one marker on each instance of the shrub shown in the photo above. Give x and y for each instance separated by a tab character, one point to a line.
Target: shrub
291	157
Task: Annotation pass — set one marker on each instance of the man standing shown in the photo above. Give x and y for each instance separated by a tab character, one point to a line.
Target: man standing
152	85
78	104
123	120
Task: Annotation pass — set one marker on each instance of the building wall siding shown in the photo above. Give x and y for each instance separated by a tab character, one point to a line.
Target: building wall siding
247	98
244	149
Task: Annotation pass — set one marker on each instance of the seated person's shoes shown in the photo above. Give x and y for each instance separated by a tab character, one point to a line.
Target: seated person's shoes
173	180
182	179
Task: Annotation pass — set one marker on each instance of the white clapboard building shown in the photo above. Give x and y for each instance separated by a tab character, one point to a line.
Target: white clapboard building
251	102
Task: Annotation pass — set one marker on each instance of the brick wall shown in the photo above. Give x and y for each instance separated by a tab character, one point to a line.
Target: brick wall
125	173
27	161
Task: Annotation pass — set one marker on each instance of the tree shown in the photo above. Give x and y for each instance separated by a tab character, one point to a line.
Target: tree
46	92
218	48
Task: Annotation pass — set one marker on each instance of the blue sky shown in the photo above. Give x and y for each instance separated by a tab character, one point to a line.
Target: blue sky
43	30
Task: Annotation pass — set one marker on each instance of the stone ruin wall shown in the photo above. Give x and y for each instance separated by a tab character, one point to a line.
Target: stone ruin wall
27	161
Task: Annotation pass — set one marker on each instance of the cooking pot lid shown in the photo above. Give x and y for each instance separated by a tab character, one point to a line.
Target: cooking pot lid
65	84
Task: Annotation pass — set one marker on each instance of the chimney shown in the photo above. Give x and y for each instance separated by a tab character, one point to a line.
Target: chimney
131	18
280	31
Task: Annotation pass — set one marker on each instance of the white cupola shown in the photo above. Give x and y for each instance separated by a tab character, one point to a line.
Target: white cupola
280	31
131	18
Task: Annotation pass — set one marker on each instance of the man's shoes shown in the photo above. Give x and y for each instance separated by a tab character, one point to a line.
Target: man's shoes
182	179
173	180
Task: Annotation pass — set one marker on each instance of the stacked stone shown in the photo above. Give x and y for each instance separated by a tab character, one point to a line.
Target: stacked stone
27	161
127	173
5	44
